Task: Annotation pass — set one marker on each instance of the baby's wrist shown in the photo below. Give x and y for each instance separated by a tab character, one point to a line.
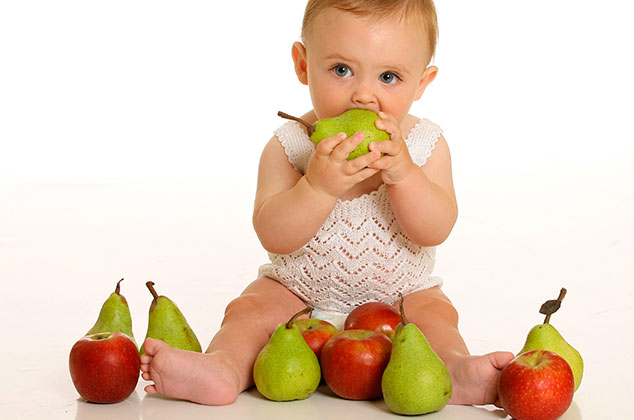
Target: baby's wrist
403	177
319	193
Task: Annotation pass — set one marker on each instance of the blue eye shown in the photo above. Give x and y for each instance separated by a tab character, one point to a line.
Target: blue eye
389	78
341	71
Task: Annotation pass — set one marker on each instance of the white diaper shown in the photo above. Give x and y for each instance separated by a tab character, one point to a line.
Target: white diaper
335	318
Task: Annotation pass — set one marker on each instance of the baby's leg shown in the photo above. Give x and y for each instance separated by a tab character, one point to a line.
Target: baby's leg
219	375
474	378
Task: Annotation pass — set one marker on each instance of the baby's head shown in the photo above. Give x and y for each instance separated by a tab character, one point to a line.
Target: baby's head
369	54
420	15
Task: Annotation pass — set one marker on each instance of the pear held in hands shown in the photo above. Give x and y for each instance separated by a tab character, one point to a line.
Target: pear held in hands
114	315
350	122
415	381
546	337
168	324
286	368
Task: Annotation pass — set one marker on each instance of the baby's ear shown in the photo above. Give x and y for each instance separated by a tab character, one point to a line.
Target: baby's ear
427	77
301	65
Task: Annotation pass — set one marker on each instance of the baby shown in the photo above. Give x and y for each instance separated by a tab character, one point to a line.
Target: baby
341	233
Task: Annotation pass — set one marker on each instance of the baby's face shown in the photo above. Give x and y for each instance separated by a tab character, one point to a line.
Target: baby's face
356	63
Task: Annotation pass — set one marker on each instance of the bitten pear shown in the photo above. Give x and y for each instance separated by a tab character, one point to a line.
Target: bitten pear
546	337
415	381
114	315
350	122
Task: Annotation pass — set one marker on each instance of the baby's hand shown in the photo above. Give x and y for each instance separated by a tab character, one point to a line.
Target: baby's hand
396	163
328	170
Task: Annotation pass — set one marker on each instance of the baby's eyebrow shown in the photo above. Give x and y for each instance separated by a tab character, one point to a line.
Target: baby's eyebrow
337	56
398	69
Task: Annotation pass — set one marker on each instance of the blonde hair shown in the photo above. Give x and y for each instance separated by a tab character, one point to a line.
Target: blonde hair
423	12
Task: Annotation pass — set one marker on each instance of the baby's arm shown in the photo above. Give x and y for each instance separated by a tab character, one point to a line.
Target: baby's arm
291	208
423	199
425	202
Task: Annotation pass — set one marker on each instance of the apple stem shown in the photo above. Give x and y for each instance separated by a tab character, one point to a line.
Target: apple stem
400	305
308	126
150	285
562	293
118	288
304	311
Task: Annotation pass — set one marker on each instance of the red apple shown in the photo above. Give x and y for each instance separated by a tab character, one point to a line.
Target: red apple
316	332
373	316
104	367
353	361
536	385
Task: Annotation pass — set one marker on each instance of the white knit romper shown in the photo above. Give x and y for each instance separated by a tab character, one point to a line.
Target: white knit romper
360	254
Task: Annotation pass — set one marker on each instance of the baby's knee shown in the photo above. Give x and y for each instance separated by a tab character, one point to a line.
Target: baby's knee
446	310
431	306
245	306
256	310
264	303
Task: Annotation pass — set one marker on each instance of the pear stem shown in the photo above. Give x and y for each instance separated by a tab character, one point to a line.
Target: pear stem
304	311
400	305
308	126
118	288
150	285
562	294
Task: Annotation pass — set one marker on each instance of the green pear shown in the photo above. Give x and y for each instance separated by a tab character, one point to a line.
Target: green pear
415	381
286	368
350	122
546	337
114	315
168	324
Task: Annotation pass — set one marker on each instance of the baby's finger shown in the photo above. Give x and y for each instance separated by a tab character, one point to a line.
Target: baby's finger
362	162
364	174
346	147
385	162
327	145
388	123
389	147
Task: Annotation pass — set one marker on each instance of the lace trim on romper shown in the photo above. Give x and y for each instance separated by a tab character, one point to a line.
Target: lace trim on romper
360	254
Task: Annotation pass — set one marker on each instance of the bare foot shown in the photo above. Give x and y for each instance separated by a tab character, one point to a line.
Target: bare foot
201	378
475	378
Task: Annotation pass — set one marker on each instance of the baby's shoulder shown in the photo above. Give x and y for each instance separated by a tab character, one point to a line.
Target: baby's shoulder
293	141
423	138
417	130
417	125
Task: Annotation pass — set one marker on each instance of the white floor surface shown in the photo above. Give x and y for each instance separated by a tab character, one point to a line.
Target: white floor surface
65	243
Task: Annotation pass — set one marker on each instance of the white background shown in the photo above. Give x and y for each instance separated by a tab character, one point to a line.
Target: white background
129	139
192	88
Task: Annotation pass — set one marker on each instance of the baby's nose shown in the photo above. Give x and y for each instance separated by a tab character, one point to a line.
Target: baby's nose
363	94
